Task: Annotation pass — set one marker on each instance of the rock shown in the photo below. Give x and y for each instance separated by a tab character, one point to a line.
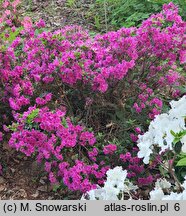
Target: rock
36	194
12	170
43	188
42	181
2	188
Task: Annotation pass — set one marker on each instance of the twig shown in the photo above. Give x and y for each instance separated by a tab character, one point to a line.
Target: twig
171	171
105	9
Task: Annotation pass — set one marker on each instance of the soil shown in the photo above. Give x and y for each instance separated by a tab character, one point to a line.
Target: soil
59	13
23	178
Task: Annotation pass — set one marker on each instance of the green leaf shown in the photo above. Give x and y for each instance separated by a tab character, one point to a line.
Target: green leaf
64	123
177	147
178	136
13	35
13	127
39	31
31	116
176	140
120	114
56	188
183	174
181	162
77	55
173	133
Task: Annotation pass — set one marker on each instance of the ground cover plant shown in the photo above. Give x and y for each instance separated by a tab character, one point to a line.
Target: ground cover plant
85	106
114	14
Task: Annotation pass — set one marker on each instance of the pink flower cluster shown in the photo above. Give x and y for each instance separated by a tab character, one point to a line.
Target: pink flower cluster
39	68
1	136
55	140
109	149
136	169
72	56
45	100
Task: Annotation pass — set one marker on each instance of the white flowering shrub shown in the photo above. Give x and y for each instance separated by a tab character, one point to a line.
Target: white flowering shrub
114	188
117	185
158	193
165	131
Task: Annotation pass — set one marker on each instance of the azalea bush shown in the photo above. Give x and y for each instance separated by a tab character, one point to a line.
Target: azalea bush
114	187
77	103
118	187
160	136
68	151
167	136
166	131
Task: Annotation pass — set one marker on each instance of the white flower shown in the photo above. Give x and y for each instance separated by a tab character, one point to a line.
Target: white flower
184	186
162	183
156	194
184	195
144	151
99	194
184	183
159	132
111	193
173	196
178	107
116	177
116	184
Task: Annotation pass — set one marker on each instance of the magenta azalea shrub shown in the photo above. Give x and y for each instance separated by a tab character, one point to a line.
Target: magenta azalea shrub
68	151
55	86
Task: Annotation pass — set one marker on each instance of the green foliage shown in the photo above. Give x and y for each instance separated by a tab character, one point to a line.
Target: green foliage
181	162
41	30
127	13
97	22
70	3
56	188
64	123
32	116
13	127
180	167
176	142
178	136
177	147
12	35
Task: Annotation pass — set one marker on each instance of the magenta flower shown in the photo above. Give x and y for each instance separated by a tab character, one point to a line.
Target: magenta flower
109	149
